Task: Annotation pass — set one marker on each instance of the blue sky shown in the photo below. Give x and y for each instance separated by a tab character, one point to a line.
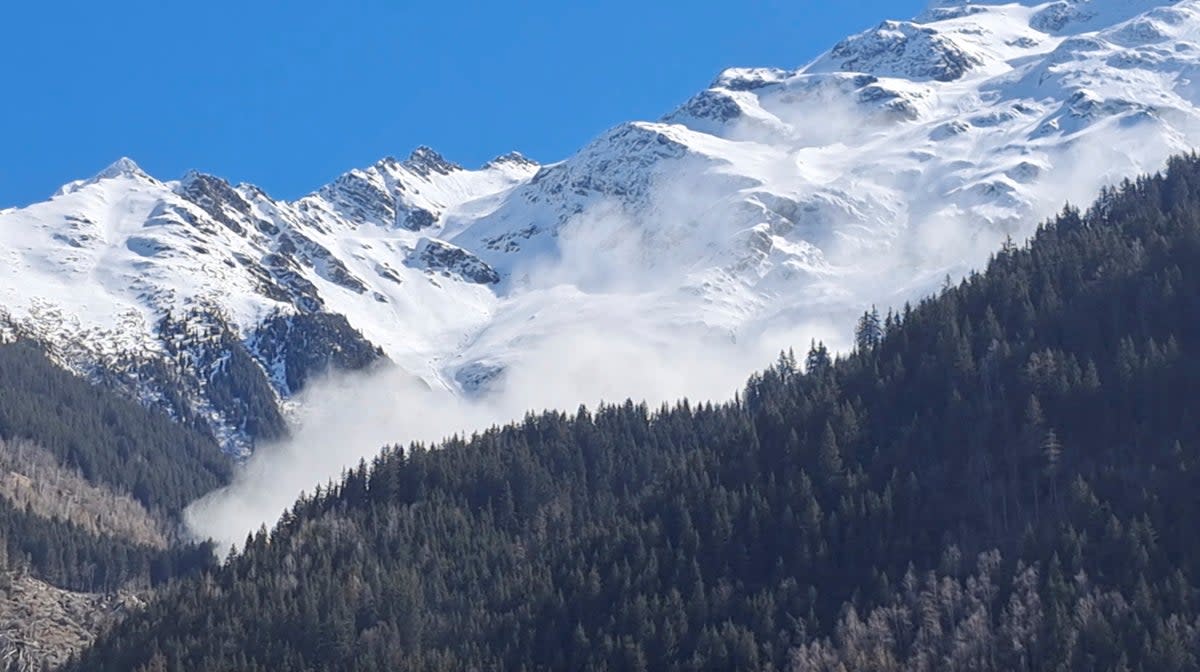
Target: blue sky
289	94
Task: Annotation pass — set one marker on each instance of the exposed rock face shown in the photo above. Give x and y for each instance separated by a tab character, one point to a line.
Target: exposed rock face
904	49
297	348
448	260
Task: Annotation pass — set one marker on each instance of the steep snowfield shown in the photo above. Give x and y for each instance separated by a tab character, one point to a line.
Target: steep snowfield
771	207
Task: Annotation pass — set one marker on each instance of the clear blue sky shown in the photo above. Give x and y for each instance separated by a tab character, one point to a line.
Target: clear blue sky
289	94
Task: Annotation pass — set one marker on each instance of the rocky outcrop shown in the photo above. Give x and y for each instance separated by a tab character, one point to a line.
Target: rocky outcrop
297	348
904	49
442	258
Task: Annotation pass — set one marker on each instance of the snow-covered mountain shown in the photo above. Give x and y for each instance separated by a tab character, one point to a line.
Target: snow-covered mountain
768	205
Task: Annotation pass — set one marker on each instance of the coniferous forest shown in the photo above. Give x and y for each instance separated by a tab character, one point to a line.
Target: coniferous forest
1002	477
108	438
113	443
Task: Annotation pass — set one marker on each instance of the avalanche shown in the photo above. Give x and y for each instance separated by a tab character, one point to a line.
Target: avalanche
771	204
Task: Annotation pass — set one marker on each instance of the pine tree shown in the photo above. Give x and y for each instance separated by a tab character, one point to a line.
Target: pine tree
1051	459
869	331
818	361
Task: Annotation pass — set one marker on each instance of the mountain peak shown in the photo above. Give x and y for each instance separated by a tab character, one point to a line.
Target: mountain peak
425	160
122	167
958	4
1051	16
193	176
512	158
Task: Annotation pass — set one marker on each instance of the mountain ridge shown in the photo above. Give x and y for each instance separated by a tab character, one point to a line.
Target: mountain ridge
773	201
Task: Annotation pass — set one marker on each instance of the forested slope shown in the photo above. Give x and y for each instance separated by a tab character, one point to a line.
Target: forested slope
64	438
91	485
108	438
1002	477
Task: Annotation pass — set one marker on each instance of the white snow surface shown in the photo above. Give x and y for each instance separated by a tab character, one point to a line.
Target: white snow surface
771	207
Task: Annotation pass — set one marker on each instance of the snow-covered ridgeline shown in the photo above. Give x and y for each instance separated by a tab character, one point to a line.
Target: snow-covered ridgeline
772	204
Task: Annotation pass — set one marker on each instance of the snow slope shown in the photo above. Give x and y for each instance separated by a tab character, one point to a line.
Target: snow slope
766	208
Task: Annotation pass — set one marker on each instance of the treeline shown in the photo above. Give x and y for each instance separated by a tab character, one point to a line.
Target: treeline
66	555
1002	477
108	438
62	437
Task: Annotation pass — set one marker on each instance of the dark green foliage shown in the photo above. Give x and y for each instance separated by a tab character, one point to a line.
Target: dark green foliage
1006	479
69	557
109	439
869	331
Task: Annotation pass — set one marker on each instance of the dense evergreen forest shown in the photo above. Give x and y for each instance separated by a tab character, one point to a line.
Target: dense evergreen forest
1003	477
109	438
112	442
